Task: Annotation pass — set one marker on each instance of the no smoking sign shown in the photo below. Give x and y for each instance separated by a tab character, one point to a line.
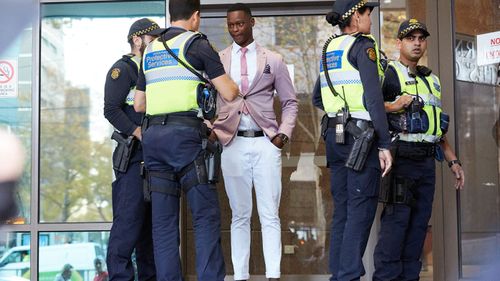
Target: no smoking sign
8	78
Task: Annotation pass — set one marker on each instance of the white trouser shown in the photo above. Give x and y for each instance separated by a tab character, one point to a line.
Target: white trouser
248	162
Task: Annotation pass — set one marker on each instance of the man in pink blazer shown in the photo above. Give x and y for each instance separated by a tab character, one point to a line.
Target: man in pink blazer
253	140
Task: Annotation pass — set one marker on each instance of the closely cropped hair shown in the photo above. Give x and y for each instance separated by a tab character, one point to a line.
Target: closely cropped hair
335	19
182	9
239	7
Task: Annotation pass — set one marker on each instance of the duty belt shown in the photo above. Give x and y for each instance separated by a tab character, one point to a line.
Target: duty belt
361	123
172	120
415	150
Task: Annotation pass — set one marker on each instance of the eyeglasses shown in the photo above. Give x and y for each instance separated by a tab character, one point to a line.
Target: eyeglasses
238	24
412	38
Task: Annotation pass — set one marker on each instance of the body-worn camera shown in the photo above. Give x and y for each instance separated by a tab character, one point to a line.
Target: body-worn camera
342	119
415	112
207	100
413	120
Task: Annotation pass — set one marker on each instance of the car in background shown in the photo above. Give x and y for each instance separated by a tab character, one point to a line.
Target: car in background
81	256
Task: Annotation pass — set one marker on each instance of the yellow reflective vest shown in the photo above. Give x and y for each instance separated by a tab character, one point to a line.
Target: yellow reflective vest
130	97
345	78
430	93
170	87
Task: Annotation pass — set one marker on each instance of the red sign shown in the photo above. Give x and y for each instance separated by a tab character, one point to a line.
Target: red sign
6	72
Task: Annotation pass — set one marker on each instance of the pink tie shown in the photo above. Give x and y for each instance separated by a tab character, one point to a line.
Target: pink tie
244	76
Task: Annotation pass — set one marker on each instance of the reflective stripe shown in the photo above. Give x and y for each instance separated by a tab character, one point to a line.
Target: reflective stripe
170	87
344	77
434	101
154	76
429	91
419	138
172	78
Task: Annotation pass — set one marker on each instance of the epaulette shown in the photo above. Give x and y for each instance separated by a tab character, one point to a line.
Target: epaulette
127	57
202	35
424	70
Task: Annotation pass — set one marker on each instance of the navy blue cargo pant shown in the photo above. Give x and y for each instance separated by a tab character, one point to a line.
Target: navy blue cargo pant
170	148
403	228
355	197
131	227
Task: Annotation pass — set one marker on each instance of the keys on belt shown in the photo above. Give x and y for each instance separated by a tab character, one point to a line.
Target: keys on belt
250	134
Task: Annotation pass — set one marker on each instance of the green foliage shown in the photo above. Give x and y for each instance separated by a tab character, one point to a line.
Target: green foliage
75	172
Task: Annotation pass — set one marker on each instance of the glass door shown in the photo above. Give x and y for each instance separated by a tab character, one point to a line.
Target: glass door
306	202
477	108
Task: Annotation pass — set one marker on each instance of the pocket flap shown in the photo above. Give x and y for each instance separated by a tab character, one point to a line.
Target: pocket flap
269	114
222	116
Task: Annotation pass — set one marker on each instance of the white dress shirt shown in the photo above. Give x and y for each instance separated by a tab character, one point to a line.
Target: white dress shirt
246	122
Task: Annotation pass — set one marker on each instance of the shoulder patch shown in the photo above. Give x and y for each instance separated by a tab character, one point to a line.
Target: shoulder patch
115	73
372	55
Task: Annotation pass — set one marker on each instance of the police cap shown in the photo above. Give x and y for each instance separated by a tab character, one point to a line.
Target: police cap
408	26
144	26
345	8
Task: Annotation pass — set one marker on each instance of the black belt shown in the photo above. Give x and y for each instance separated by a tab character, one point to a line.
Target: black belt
168	119
250	134
361	123
415	150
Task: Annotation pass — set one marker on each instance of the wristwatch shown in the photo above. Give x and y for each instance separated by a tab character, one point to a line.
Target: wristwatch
283	138
453	162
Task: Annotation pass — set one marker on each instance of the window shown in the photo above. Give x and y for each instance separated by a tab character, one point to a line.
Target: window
75	147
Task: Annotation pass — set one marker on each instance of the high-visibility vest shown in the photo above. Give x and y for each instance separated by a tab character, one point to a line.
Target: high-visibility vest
130	97
170	87
345	78
429	92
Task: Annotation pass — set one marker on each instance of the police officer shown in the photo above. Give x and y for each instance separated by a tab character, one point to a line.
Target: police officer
174	137
413	94
349	92
131	215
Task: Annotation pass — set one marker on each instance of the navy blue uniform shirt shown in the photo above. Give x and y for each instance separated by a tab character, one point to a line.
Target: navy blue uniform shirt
391	87
200	55
372	97
121	115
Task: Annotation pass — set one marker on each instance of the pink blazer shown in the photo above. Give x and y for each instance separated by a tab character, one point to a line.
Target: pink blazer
272	74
